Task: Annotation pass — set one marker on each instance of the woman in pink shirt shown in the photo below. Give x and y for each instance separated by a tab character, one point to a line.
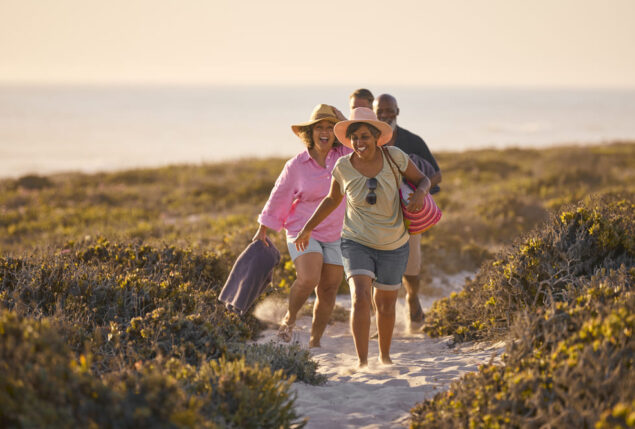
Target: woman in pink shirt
303	183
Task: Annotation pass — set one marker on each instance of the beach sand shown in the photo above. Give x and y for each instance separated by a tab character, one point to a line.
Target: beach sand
378	396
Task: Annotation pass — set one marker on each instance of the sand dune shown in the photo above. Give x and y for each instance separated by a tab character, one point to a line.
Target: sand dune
378	396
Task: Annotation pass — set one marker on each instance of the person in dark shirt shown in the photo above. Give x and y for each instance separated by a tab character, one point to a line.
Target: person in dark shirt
387	110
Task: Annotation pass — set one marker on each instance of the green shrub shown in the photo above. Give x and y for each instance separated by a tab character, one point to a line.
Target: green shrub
568	365
563	294
33	181
44	384
546	266
235	394
293	361
41	384
128	302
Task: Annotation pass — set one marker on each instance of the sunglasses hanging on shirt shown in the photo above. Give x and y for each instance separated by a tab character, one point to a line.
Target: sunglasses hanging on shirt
371	184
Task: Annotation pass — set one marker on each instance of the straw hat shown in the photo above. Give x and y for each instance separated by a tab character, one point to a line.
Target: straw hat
363	114
320	112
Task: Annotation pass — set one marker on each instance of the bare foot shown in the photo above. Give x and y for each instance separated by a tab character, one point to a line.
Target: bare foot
362	364
385	360
415	311
285	332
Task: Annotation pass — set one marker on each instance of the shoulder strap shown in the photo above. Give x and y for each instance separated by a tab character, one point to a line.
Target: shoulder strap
390	164
391	159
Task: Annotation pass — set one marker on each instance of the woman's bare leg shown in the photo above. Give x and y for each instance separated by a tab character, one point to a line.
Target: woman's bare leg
360	315
308	268
385	303
325	294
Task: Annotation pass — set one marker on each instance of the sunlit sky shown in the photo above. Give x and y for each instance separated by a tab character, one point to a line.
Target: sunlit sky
582	43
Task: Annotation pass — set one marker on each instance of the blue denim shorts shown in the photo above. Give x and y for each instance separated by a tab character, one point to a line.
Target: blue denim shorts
330	250
385	267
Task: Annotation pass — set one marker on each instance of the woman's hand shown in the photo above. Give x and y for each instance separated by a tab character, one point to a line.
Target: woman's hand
338	114
416	200
261	235
326	207
302	240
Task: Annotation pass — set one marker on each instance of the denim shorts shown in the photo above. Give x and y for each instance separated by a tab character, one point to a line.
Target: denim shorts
330	250
385	267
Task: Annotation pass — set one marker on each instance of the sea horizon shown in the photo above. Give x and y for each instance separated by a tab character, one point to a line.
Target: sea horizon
47	129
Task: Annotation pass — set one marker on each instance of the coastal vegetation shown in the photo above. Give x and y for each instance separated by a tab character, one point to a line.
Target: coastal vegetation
563	298
109	282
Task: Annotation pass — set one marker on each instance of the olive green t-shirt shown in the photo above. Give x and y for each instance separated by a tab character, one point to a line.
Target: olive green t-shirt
380	225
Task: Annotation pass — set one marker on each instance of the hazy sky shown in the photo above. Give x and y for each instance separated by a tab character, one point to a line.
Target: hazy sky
358	43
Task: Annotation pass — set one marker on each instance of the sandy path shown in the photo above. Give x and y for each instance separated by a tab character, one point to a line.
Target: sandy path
378	396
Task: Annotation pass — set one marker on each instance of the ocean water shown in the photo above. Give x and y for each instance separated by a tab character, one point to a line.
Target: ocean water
49	129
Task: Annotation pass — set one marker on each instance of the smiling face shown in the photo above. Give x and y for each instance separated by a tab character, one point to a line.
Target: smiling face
323	136
386	109
364	142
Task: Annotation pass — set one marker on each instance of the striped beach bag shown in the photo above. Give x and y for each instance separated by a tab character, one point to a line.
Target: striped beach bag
422	220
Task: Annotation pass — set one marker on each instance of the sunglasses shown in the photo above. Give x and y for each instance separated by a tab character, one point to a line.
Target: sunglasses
371	184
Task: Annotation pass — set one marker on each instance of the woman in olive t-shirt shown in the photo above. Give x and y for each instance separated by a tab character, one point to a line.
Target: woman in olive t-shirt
374	238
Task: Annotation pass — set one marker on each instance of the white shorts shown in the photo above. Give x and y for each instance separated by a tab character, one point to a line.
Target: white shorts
330	250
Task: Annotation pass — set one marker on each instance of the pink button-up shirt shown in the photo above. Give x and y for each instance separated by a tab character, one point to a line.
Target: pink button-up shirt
298	191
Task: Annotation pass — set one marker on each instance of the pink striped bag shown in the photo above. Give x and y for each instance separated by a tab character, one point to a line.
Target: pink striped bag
424	219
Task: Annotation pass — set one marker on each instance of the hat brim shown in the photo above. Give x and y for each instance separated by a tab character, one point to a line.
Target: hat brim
341	127
297	127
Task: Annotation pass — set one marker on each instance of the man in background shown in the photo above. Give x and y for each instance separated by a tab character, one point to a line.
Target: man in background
361	98
387	110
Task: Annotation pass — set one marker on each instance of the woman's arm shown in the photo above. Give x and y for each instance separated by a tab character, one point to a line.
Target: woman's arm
414	175
278	204
326	207
435	179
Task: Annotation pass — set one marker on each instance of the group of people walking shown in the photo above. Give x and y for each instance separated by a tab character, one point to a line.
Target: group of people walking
339	203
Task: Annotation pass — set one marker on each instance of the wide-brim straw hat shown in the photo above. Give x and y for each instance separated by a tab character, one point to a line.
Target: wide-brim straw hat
320	113
363	114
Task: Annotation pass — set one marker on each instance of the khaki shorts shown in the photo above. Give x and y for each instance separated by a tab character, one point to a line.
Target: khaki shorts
413	268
